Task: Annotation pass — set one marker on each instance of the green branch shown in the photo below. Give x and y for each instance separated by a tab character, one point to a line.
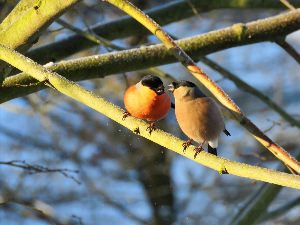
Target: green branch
256	206
16	13
280	211
255	209
145	57
27	21
126	26
160	137
19	32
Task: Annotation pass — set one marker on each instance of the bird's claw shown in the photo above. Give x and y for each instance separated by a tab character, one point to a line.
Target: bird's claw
198	150
151	128
137	130
125	115
186	144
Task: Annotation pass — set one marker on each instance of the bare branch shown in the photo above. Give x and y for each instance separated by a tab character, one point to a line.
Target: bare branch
289	49
35	168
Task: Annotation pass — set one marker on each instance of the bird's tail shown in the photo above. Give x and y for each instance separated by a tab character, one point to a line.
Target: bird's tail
226	132
212	150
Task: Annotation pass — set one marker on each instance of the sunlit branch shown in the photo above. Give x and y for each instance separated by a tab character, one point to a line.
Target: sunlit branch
17	33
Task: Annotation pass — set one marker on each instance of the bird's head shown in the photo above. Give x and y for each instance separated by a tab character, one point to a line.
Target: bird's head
184	90
154	83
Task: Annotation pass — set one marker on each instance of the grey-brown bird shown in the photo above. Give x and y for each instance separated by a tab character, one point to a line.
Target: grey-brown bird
198	116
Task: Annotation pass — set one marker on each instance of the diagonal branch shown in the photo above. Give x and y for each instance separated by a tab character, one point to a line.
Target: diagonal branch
191	66
255	209
289	49
91	37
280	210
246	87
160	137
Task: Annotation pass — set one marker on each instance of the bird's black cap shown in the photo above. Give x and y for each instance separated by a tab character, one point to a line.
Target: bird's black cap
154	83
183	83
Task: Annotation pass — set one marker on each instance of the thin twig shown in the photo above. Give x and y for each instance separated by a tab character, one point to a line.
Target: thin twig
92	37
280	210
287	4
289	49
41	209
35	168
283	43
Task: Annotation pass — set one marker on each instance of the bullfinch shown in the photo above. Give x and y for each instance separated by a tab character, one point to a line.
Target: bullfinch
198	116
147	100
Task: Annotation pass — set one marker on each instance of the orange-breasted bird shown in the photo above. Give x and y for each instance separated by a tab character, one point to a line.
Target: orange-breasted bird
198	116
147	100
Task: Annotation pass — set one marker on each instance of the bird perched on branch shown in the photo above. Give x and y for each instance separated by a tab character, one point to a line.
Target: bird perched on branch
147	100
198	116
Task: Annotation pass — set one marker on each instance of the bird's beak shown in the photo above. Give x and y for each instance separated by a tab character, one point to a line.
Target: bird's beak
171	88
160	90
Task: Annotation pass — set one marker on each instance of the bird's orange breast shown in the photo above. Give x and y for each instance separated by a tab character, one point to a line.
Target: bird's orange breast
144	103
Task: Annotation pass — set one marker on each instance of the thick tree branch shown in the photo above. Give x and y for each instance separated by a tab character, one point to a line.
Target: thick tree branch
126	26
17	33
145	57
160	137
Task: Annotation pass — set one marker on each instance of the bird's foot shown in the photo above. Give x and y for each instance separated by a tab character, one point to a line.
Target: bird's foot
137	130
125	115
186	144
151	127
198	149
